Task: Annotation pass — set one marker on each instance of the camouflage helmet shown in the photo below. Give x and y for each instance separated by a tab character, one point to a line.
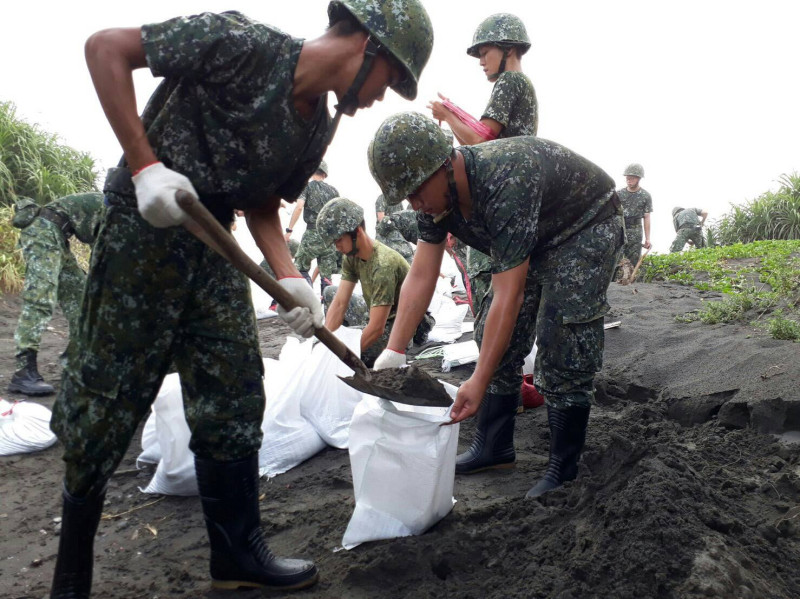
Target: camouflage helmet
406	150
634	170
323	168
676	210
500	29
338	217
402	27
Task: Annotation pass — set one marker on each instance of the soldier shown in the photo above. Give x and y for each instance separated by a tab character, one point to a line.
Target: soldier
688	225
387	232
637	205
51	275
379	268
316	194
240	121
552	224
499	43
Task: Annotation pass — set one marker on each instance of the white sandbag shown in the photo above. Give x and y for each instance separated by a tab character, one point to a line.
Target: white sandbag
151	450
448	322
24	427
403	464
530	359
261	302
457	354
175	473
325	401
289	438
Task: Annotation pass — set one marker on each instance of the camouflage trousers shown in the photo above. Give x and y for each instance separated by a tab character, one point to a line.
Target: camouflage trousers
479	270
563	309
695	234
633	243
154	298
312	247
51	275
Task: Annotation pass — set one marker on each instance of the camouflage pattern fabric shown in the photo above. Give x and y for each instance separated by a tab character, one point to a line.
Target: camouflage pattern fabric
240	140
513	104
634	206
196	314
382	206
479	271
293	244
389	235
356	314
316	195
688	218
406	223
52	274
559	213
313	247
688	227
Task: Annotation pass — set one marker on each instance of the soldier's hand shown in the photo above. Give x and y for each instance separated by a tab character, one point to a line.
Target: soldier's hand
647	245
468	400
156	186
389	359
307	315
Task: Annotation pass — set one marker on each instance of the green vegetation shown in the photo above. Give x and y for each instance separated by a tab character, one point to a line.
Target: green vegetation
12	269
772	215
34	164
760	283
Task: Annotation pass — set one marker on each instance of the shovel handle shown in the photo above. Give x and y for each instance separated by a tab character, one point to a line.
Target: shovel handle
212	233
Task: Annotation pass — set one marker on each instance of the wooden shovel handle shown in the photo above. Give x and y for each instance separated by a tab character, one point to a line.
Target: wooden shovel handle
208	229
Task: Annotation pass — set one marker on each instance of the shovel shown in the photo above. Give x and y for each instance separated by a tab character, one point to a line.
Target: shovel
408	385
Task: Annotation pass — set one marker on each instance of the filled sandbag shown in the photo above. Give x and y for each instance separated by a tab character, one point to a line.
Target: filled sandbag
24	427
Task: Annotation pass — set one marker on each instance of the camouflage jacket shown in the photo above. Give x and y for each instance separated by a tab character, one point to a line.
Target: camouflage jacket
688	218
381	206
635	204
513	105
224	115
381	276
84	211
316	195
528	195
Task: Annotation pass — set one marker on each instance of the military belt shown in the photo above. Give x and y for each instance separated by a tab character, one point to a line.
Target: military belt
632	220
59	220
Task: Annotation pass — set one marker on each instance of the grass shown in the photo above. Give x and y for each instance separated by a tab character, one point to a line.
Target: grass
760	283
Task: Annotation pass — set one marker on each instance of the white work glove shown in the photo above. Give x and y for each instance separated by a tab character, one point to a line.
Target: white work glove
389	359
156	186
308	314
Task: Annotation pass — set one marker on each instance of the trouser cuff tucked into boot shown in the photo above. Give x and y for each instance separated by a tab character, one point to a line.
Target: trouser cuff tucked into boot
26	379
493	445
79	521
240	556
567	438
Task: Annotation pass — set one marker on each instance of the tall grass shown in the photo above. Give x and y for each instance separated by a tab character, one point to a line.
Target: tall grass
772	215
12	268
36	164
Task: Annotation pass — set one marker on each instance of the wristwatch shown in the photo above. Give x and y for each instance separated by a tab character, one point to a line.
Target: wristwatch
288	230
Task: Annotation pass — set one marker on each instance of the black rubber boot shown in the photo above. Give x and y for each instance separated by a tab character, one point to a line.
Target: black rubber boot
27	379
79	520
567	438
493	445
240	557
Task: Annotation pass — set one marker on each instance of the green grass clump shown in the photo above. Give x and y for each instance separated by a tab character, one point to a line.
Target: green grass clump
12	268
783	328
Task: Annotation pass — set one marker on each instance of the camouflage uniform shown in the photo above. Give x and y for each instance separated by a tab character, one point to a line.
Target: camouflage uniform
387	232
381	278
316	195
356	314
158	296
293	244
687	226
52	274
635	205
382	206
563	214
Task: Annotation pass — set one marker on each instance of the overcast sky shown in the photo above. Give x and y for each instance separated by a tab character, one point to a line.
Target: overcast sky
703	93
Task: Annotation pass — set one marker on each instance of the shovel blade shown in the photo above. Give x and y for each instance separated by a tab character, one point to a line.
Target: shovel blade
432	398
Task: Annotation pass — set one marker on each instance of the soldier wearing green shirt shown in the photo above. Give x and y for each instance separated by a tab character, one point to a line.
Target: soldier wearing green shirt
380	270
552	224
637	205
499	43
688	223
52	275
316	194
241	121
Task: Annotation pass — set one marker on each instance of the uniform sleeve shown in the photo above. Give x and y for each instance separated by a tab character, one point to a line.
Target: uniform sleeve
348	270
648	207
511	217
208	47
429	231
505	95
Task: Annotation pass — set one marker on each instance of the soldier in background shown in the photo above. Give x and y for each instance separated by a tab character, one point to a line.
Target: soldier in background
387	232
637	205
688	225
52	275
380	270
499	42
316	194
552	224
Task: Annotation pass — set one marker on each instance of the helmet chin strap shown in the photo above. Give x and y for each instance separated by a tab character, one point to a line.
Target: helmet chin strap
349	102
354	237
452	192
502	68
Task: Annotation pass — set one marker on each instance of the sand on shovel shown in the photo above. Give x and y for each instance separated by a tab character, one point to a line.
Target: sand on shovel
409	385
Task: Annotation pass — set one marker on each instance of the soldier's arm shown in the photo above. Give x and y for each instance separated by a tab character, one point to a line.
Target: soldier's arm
335	316
111	56
378	315
265	227
646	220
298	210
703	216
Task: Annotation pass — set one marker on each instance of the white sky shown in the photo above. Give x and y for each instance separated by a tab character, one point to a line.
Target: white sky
703	93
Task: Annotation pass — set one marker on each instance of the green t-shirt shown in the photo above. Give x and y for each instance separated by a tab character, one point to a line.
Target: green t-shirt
513	104
224	115
528	195
381	276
